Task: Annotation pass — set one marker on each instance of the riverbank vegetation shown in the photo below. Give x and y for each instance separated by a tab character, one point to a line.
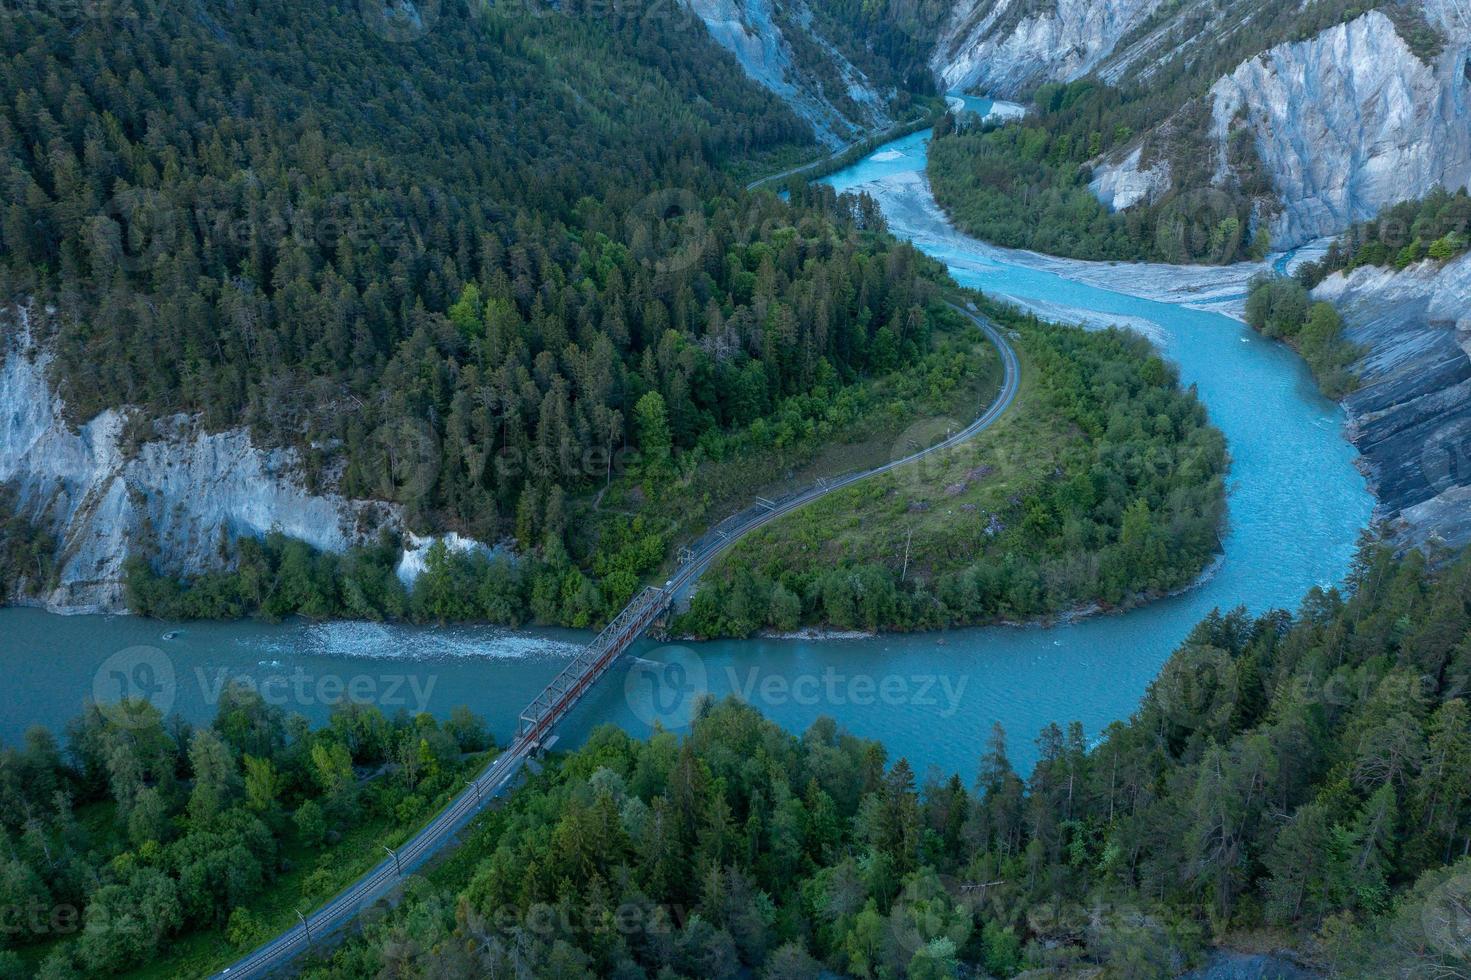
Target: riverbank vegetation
1303	779
27	553
1438	227
1103	484
1282	309
146	837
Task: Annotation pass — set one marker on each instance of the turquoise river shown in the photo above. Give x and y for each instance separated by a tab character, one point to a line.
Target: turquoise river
1297	505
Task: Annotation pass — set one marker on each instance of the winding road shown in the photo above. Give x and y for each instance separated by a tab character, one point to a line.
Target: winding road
441	831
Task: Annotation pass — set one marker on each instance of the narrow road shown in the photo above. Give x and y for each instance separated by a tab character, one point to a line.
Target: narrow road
443	829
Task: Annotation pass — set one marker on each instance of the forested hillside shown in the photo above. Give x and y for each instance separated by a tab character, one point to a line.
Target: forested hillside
1298	778
889	39
461	263
1438	227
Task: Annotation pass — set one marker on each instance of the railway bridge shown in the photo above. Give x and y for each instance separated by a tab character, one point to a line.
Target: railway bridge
557	699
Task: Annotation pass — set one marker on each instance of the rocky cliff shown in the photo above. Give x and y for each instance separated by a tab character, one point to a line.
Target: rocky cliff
1411	417
1005	47
1352	120
182	490
748	29
1344	123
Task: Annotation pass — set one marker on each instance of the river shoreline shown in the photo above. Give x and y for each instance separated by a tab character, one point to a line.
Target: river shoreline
1074	614
1296	505
1215	289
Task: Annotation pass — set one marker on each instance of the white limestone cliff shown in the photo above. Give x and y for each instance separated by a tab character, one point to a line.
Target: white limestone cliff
1352	120
182	490
1004	47
1345	123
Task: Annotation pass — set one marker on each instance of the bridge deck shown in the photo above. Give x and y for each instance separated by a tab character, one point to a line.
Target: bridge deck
559	696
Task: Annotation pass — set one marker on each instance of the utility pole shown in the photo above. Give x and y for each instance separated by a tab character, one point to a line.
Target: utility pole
393	854
305	925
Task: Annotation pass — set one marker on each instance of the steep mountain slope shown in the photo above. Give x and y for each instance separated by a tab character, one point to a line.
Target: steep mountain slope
184	491
1344	122
1007	47
305	254
799	66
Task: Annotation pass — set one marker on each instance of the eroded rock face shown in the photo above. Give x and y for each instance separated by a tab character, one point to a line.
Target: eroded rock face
1005	47
183	490
1345	123
1411	417
747	29
1351	120
1126	183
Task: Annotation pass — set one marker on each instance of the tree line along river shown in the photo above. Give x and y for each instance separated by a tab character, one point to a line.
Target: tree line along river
1296	506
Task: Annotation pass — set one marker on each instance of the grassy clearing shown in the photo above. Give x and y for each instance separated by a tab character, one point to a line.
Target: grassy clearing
933	510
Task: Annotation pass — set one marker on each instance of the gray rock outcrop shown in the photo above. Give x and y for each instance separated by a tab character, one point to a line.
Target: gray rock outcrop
181	491
748	30
1005	47
1411	417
